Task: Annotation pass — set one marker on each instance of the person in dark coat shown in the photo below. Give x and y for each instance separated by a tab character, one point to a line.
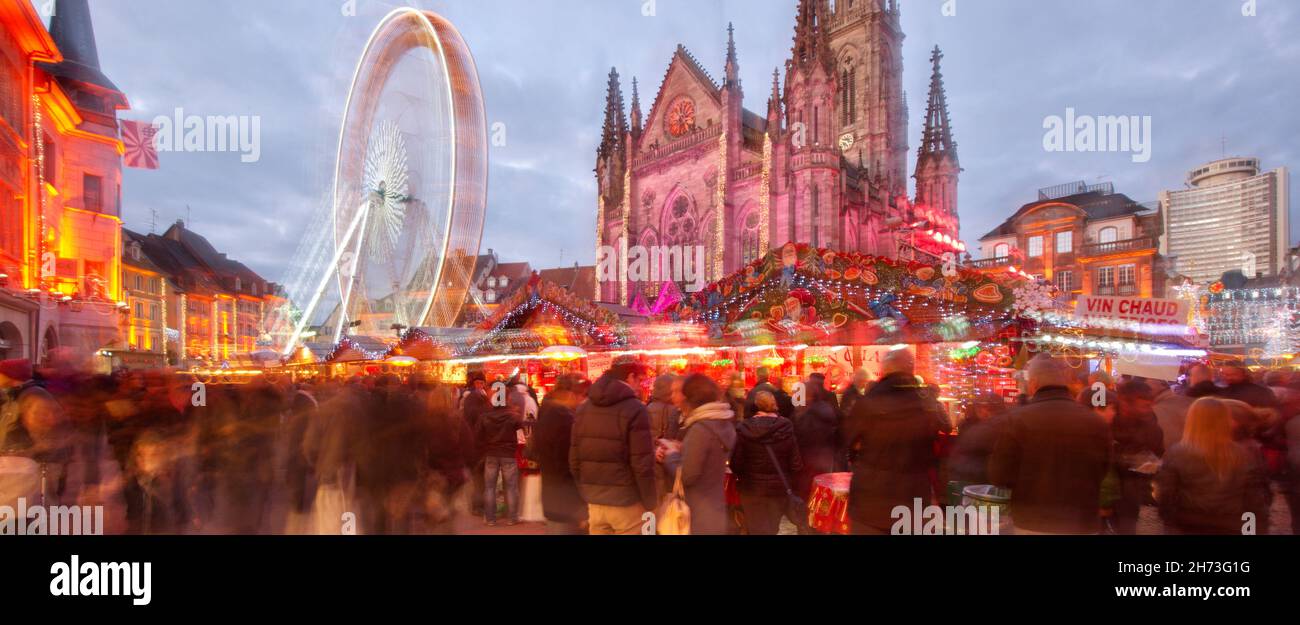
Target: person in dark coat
784	404
979	434
562	505
1139	443
1209	482
1241	387
816	428
708	438
611	454
473	403
497	433
1053	456
892	433
761	440
1200	382
665	423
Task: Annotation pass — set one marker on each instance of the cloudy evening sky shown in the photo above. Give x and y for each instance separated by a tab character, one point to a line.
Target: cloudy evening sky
1199	68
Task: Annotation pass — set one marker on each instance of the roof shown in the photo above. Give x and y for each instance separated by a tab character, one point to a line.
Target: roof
578	280
196	265
1095	204
74	34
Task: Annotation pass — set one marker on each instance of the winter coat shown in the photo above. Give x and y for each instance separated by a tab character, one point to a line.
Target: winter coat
496	432
551	435
709	436
893	431
1194	500
1171	414
1053	456
817	433
969	461
1256	395
752	464
611	454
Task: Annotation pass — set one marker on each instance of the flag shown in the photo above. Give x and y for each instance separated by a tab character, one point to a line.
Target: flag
141	151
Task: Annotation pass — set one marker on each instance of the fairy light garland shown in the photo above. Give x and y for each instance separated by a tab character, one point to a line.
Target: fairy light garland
39	250
623	229
720	214
764	201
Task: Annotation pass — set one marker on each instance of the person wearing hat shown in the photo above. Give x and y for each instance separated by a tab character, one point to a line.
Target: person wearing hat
612	454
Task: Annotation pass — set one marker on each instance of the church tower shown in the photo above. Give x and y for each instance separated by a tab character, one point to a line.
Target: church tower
611	165
813	209
866	41
937	167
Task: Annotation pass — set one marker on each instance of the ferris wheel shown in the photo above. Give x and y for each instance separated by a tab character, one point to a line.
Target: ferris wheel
410	181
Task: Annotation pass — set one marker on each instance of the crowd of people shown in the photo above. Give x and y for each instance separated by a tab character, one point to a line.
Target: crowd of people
383	454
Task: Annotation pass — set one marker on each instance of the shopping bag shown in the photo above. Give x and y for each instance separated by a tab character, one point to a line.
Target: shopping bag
674	516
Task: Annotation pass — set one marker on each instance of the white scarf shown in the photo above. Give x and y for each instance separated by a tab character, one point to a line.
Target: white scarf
718	410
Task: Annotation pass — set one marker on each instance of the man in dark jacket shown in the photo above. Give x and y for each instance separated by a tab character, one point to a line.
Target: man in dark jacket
765	461
496	432
1241	387
473	403
817	430
563	506
1053	456
892	432
785	407
1138	442
611	454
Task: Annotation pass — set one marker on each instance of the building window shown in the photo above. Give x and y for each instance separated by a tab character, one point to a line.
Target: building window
1064	280
51	162
139	310
1109	234
1035	246
1106	277
153	312
1064	242
502	281
93	192
1001	250
749	239
1127	275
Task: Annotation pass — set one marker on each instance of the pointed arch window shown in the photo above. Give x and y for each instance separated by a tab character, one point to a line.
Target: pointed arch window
749	244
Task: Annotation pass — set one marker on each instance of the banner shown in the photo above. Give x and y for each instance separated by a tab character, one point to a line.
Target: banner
1133	309
138	138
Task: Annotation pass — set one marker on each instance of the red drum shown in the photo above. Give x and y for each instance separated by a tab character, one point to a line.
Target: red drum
828	504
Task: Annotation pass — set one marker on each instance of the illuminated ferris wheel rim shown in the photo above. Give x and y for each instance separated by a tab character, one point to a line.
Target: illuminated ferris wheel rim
399	32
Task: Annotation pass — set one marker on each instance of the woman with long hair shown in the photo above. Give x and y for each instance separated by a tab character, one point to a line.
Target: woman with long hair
1209	482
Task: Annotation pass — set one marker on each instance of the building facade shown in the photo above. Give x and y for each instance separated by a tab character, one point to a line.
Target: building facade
215	309
826	164
144	288
60	185
1085	239
1230	217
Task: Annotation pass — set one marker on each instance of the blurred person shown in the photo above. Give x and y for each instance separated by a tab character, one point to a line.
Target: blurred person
156	462
612	453
473	403
330	447
566	513
892	434
700	461
1170	409
817	432
1208	481
1138	446
1291	429
1053	456
450	449
764	383
969	461
299	474
1239	385
856	390
736	393
765	461
33	425
497	432
665	421
1200	382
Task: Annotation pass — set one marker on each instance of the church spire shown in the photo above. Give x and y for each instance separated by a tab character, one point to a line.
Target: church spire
733	66
936	139
611	138
636	110
811	37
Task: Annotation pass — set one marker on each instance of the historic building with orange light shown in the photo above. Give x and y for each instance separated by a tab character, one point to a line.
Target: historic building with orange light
60	185
1085	239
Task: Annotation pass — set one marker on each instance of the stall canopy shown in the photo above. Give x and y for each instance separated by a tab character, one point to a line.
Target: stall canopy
543	314
806	295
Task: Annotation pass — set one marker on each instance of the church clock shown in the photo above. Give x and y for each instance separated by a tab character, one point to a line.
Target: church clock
680	118
846	141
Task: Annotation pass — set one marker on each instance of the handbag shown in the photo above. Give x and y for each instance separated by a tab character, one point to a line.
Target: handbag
674	516
796	509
